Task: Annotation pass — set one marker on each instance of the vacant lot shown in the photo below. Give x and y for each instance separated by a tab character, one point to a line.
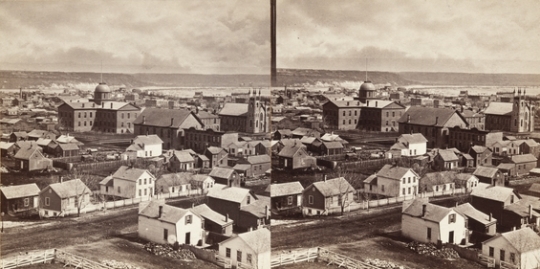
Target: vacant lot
360	236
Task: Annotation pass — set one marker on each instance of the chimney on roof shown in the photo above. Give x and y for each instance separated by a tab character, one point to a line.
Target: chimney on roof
111	105
325	177
436	120
408	118
266	212
160	211
143	119
226	217
61	179
102	105
424	207
530	213
367	102
376	102
490	216
172	121
347	103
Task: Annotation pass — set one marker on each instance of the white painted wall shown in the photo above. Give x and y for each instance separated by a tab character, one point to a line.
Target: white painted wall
262	260
416	229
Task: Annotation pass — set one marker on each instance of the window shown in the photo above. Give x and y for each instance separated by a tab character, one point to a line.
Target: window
452	218
409	180
512	257
491	251
289	200
228	252
47	201
429	234
403	191
140	192
145	181
310	198
249	258
79	114
145	192
382	188
26	202
248	200
140	181
90	114
239	256
502	255
404	179
165	234
118	189
189	219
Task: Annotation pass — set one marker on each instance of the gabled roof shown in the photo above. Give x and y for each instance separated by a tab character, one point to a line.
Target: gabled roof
525	158
333	186
37	133
258	240
437	116
162	117
242	167
308	140
208	214
394	172
438	178
284	189
174	179
25	153
64	139
20	191
258	208
170	214
332	145
234	109
202	177
183	156
302	131
496	193
448	155
499	108
289	151
148	140
6	145
70	188
43	142
232	194
131	174
433	212
286	132
479	149
470	212
372	180
107	181
20	134
484	171
415	138
523	240
214	150
68	146
221	172
256	159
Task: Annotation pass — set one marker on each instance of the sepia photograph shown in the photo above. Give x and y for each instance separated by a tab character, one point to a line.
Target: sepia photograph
259	134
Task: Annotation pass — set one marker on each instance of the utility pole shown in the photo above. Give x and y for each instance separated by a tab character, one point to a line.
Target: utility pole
273	70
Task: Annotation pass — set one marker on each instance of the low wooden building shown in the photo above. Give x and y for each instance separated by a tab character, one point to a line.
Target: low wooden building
20	199
286	197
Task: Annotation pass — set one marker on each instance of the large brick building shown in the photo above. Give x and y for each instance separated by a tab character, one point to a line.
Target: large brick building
381	115
516	117
199	140
100	114
341	115
252	117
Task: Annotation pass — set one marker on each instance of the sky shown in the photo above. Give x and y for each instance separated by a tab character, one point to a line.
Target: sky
466	36
136	36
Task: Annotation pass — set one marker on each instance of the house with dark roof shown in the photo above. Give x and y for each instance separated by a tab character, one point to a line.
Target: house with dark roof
295	157
168	124
18	136
67	150
181	160
489	175
432	123
523	164
7	148
331	148
313	144
146	146
522	213
59	199
411	144
230	201
282	133
535	189
327	196
20	199
429	223
481	155
286	197
209	120
251	117
393	181
129	182
438	182
516	116
175	184
226	176
165	224
247	250
255	215
255	165
30	158
515	249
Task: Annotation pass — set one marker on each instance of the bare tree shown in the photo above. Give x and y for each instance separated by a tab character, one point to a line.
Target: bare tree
89	182
346	186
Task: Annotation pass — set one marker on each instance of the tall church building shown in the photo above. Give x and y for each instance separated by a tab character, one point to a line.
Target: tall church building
249	118
516	116
101	114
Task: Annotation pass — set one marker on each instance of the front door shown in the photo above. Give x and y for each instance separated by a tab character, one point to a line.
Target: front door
188	239
451	237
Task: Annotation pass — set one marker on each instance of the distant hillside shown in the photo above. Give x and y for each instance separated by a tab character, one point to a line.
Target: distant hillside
28	79
297	77
473	79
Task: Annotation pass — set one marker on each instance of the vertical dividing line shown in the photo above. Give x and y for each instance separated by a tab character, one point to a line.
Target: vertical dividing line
273	68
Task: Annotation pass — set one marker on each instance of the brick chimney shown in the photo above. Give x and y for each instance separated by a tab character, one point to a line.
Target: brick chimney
160	211
424	207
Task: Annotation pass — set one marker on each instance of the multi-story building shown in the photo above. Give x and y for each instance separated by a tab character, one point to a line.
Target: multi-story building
367	92
341	115
433	123
475	119
516	117
199	140
252	117
209	120
168	124
464	139
100	114
381	115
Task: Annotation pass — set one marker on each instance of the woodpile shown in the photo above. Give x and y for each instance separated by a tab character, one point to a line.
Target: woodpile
431	250
384	264
168	251
119	265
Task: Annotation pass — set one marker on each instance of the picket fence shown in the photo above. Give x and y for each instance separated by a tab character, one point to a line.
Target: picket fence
307	255
320	255
28	259
395	200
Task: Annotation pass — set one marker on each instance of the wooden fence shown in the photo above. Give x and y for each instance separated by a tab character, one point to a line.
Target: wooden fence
308	255
489	262
342	260
28	259
77	261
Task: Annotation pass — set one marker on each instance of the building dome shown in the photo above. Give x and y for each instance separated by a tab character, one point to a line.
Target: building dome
102	87
367	86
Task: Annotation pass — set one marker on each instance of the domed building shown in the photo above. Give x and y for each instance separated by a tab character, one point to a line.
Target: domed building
367	91
101	114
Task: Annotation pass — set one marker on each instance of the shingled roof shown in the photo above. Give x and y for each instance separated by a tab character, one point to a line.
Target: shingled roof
333	186
525	158
284	189
233	194
432	212
394	172
161	117
170	214
234	109
429	116
127	173
523	240
20	191
499	108
70	188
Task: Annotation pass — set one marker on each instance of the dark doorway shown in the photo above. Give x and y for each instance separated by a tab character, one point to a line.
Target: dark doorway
451	237
188	239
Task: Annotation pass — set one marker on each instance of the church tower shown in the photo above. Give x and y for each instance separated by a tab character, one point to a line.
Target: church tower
522	117
257	118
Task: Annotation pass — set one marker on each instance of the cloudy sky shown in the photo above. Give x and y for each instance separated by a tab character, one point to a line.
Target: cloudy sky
484	36
172	36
